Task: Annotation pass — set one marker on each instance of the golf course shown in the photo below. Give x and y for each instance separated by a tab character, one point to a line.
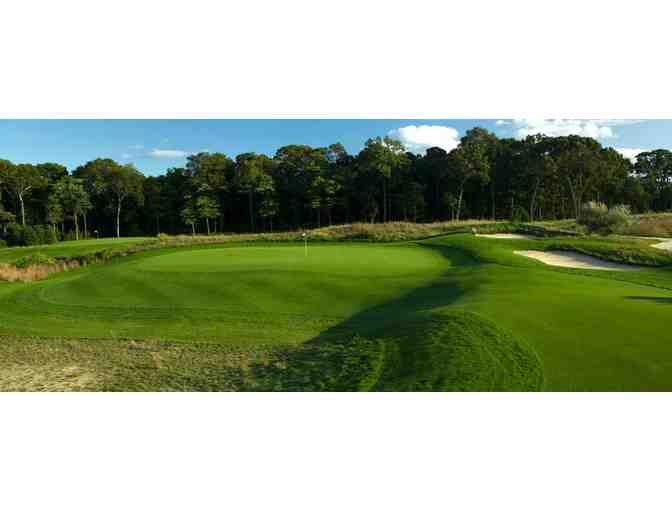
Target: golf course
451	312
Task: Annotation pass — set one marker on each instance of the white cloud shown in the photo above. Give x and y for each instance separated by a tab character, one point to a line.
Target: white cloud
126	155
564	127
630	154
420	138
168	153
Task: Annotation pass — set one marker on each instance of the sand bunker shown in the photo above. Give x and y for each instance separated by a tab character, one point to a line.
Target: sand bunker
665	245
508	236
576	260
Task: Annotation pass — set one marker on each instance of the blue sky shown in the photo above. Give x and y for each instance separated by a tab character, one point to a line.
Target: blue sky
156	145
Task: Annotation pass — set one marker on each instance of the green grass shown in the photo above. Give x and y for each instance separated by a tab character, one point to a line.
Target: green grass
69	248
450	313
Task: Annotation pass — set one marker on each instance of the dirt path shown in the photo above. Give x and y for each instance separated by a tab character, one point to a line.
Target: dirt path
575	260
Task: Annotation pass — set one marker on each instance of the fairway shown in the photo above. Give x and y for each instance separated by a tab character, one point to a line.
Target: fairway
584	329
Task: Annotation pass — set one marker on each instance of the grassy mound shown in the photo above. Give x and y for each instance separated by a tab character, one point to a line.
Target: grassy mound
450	351
458	351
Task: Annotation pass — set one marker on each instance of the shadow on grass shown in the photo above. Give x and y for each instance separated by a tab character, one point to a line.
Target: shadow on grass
415	343
661	300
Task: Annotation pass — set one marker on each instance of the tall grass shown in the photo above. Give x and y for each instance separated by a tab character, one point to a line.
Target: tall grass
11	273
654	226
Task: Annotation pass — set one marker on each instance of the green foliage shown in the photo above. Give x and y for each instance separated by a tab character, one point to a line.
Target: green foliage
189	215
597	217
520	215
34	259
30	235
6	217
75	249
14	235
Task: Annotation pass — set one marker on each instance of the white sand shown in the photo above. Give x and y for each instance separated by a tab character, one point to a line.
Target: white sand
508	236
576	260
665	245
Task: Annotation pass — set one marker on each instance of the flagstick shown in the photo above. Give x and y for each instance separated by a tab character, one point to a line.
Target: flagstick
305	243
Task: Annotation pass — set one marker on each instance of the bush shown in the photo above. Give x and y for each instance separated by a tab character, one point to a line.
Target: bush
14	236
18	235
31	236
3	243
597	217
34	259
520	215
47	234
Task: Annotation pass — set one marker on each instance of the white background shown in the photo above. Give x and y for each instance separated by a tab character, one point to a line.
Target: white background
169	59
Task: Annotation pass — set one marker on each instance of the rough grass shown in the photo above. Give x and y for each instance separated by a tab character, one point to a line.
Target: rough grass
452	352
654	226
31	273
65	364
70	248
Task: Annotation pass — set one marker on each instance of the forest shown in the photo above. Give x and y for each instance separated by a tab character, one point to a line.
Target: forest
535	178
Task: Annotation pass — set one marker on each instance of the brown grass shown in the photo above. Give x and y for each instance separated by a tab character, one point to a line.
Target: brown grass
11	273
660	226
391	231
49	377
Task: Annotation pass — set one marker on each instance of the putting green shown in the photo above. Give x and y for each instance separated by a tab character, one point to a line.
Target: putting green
270	294
589	330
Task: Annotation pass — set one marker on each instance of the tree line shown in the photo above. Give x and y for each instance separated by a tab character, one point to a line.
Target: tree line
536	178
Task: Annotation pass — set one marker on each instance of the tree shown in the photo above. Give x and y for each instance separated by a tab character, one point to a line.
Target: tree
379	157
22	180
73	198
533	163
206	208
39	198
268	208
114	182
4	170
295	168
189	215
55	214
212	174
435	169
654	168
156	203
252	171
578	161
5	219
489	147
469	161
